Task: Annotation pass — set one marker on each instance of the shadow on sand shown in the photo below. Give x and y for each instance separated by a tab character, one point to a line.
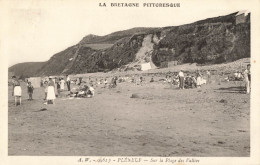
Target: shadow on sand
238	89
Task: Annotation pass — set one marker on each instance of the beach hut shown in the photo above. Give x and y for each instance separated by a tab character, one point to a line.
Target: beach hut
36	81
146	66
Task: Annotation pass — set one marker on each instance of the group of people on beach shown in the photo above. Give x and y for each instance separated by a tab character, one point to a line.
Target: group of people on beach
49	89
53	85
191	81
185	81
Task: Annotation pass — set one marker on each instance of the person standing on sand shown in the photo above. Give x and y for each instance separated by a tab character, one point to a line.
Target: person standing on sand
208	76
247	77
17	90
181	79
58	82
62	84
68	82
45	85
80	80
51	92
30	90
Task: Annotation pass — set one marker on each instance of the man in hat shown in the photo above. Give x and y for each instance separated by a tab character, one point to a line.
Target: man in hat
68	82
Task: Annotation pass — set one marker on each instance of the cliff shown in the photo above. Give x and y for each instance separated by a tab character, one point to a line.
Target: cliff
210	41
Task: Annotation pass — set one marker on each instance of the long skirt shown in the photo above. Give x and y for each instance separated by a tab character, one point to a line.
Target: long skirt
51	93
199	81
62	86
248	85
17	91
181	80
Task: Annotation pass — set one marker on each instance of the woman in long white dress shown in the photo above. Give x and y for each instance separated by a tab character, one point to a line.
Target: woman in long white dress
17	91
62	84
199	80
51	91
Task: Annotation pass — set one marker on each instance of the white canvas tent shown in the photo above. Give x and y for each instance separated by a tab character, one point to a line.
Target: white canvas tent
36	81
146	66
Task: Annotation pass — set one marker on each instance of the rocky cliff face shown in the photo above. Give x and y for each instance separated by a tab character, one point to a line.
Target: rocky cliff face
210	41
83	59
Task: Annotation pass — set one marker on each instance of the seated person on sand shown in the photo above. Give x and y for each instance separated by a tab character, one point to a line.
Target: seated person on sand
91	91
194	81
152	80
113	82
166	79
189	82
105	82
82	92
169	79
175	79
239	76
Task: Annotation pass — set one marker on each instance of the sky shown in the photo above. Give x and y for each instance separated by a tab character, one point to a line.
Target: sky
36	30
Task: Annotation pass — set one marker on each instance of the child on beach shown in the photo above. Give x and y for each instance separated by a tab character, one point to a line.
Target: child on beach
30	90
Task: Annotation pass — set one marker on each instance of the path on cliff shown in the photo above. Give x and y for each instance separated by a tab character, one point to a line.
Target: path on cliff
145	52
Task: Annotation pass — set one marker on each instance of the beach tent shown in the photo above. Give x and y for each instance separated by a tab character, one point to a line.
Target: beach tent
36	81
146	66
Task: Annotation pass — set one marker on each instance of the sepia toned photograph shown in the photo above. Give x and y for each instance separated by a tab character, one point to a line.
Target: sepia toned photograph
98	81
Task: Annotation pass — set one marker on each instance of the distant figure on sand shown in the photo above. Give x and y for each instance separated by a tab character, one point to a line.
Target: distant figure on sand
51	92
247	77
58	83
17	91
113	82
30	90
80	80
105	82
208	76
199	80
45	85
141	81
91	91
68	82
181	79
62	84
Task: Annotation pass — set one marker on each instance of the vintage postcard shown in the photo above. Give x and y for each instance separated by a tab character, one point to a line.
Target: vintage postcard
171	82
